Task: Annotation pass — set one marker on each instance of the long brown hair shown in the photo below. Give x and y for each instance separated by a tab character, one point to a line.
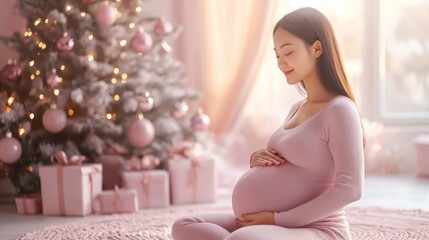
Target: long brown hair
310	25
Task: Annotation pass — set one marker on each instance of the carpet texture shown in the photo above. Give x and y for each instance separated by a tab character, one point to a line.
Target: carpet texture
372	223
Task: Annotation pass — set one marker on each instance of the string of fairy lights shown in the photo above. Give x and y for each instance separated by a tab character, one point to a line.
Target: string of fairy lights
117	76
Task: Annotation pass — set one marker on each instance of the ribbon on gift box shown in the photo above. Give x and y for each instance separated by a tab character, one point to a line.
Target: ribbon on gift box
25	201
62	160
148	162
117	202
145	181
184	150
116	149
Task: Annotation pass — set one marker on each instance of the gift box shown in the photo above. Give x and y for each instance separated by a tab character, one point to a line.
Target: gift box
422	161
29	205
192	181
112	170
118	201
152	187
70	190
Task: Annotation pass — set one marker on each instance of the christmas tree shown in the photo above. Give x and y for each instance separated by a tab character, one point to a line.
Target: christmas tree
91	75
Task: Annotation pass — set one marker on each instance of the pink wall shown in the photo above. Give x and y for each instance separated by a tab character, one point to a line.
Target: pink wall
10	21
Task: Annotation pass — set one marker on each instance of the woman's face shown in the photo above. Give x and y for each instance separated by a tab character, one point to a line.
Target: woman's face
294	57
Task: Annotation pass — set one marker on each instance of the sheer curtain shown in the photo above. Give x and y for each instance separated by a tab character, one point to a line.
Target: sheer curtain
222	48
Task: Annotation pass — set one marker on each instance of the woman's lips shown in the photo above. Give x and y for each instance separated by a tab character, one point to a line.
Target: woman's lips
288	72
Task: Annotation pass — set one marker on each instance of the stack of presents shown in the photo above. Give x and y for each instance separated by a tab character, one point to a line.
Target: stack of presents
118	185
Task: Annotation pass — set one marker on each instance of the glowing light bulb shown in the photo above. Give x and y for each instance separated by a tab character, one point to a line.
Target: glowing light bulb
56	92
32	77
124	76
116	97
131	25
68	8
63	67
37	22
83	14
114	80
10	100
31	115
31	63
21	131
116	70
138	9
70	112
123	43
90	37
41	97
109	116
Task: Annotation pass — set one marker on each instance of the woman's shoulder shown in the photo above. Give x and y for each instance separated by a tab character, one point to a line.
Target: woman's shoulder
342	106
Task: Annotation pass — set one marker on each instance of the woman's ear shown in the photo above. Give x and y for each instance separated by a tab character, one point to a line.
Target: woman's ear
317	49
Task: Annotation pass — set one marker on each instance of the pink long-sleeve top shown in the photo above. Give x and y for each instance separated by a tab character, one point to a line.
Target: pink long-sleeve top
324	170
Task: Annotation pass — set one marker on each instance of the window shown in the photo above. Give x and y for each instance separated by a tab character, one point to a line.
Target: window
404	60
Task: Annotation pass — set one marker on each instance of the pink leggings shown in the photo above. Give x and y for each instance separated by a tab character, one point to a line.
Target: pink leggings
222	226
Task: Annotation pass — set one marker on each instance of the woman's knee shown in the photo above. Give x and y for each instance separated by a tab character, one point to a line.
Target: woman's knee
180	224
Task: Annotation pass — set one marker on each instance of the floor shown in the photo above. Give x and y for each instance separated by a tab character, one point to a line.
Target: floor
388	191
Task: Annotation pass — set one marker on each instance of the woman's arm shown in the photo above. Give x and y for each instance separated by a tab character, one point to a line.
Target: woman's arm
344	134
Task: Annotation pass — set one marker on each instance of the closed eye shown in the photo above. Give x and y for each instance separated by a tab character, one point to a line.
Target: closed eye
287	54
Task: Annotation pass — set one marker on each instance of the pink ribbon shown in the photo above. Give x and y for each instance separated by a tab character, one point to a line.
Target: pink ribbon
61	158
91	187
116	149
148	162
25	205
184	151
145	181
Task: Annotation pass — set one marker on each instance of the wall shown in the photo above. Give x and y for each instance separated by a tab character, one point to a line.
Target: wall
10	21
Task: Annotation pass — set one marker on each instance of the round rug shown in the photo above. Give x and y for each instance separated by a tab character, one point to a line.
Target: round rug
371	223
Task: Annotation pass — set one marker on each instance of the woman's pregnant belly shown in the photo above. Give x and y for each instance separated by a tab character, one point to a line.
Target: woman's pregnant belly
274	188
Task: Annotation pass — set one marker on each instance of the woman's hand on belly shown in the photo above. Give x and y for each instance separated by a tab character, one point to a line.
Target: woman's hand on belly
266	157
259	218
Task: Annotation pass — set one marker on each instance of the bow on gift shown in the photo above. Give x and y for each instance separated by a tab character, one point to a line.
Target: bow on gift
183	150
61	158
148	162
116	149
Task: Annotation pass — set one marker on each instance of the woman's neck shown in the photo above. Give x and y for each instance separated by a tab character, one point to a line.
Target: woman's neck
316	92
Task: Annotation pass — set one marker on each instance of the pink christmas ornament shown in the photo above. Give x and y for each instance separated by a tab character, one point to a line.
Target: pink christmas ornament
65	43
54	120
141	42
105	14
11	71
140	132
200	121
53	80
180	109
10	149
162	27
147	103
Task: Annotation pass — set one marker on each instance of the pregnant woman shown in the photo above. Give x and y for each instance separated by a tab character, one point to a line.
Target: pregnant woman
312	167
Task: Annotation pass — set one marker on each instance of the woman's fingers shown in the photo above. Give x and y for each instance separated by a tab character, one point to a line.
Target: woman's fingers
266	157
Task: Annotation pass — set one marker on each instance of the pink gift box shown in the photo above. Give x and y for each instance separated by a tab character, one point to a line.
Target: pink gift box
192	183
152	187
112	170
70	190
29	205
118	201
422	162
